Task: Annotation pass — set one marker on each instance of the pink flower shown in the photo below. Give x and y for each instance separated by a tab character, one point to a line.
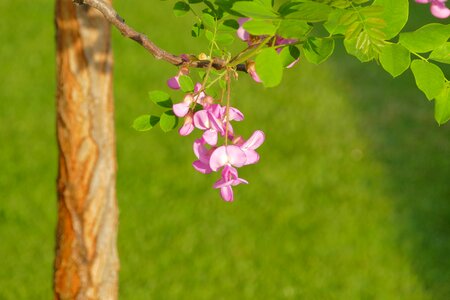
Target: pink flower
241	32
203	154
229	179
227	155
188	125
181	109
249	147
207	121
437	8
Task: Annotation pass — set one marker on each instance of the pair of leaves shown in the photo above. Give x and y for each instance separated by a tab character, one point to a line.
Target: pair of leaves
167	120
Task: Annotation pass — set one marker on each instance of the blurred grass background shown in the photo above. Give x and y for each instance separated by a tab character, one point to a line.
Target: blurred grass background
351	198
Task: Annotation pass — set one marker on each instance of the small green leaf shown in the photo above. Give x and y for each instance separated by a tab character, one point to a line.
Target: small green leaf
180	8
208	21
168	121
145	122
186	83
197	30
442	105
429	77
224	39
395	14
334	24
269	67
289	55
254	9
310	11
317	50
441	54
260	27
395	59
229	25
160	98
426	38
293	29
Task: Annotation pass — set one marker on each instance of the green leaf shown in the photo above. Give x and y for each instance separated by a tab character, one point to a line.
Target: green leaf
429	78
186	83
229	25
197	30
269	67
317	50
145	122
160	98
293	29
224	39
254	9
208	21
260	27
395	14
334	24
351	48
289	55
441	54
168	121
395	59
180	8
442	105
310	11
426	38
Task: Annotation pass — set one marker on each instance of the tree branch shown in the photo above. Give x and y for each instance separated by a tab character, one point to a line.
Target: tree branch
115	19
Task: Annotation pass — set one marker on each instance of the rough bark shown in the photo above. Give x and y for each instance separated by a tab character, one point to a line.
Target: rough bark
86	263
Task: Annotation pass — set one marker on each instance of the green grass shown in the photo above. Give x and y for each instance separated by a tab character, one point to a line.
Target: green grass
349	201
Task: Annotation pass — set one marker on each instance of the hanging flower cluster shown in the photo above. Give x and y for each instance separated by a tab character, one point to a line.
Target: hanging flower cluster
203	112
437	8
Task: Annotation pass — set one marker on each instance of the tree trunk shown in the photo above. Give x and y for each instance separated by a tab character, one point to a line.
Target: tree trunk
86	263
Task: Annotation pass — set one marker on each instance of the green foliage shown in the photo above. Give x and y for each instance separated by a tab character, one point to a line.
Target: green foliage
429	78
442	105
160	98
394	14
441	53
260	27
395	59
181	8
186	83
426	38
145	122
317	50
289	55
168	121
269	67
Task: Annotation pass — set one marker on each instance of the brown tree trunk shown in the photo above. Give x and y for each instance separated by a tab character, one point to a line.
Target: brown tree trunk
86	263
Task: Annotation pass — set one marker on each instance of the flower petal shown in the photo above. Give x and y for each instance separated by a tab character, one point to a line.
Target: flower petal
241	32
201	167
439	10
173	83
218	158
255	140
180	109
236	156
235	114
252	156
227	193
210	137
201	120
186	129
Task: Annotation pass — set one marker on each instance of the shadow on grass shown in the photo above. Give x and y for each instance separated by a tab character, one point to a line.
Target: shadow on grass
415	153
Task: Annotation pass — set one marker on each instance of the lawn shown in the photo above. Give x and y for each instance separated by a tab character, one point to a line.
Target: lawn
351	198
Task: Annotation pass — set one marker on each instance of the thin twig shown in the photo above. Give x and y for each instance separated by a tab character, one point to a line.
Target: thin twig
115	19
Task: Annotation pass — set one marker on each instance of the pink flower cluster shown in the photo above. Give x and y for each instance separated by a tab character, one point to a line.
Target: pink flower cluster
438	8
214	120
